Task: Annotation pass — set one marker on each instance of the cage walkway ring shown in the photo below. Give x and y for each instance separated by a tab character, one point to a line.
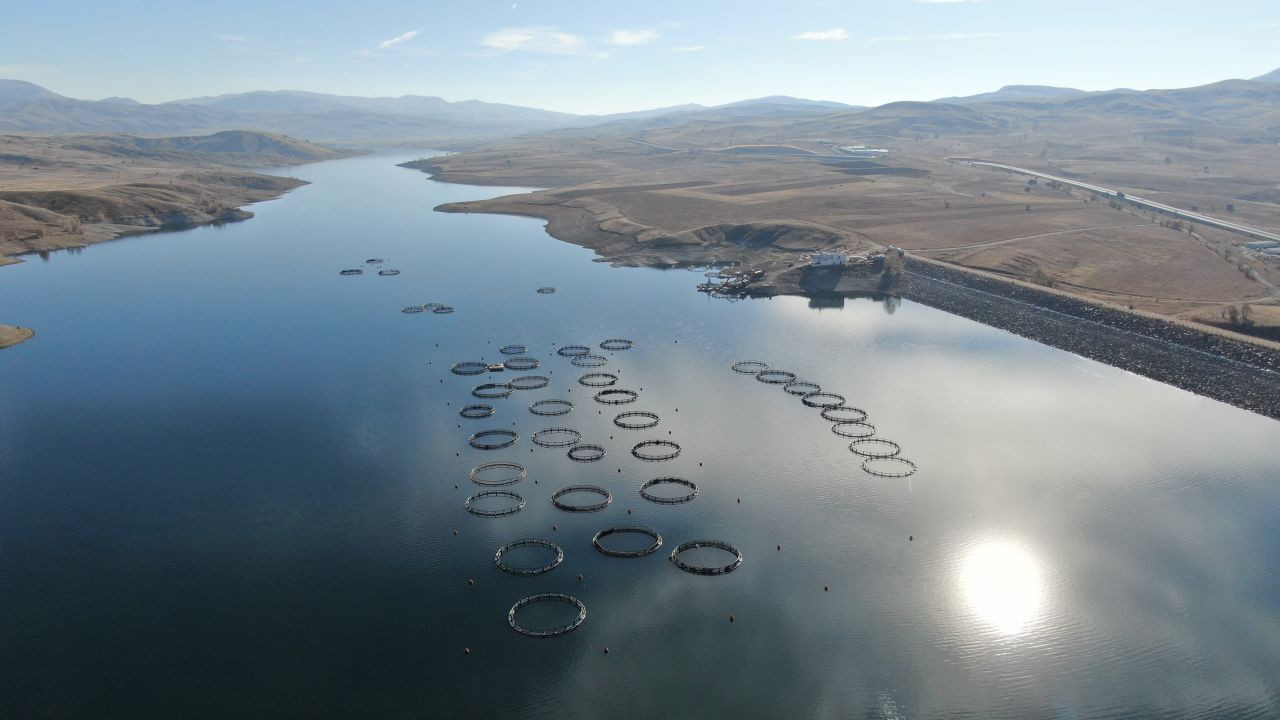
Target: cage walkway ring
442	309
775	377
546	290
528	542
433	306
477	474
544	437
908	468
529	382
520	363
854	429
387	273
616	397
513	349
375	261
470	367
412	309
634	529
500	512
551	407
617	344
481	441
549	632
861	447
673	450
699	569
661	500
351	271
645	421
586	452
573	350
844	413
475	412
590	360
492	391
801	387
749	367
567	507
823	400
598	379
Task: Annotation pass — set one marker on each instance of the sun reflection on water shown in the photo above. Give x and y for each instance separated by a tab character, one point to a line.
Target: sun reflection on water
1002	583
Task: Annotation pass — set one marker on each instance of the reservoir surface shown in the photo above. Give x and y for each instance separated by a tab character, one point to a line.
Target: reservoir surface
232	484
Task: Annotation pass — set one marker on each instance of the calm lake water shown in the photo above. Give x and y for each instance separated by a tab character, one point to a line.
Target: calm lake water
230	481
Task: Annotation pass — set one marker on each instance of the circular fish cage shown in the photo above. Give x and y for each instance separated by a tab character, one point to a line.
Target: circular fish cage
442	309
701	569
475	412
551	407
547	437
875	448
496	474
492	391
749	367
594	489
648	450
513	349
598	379
636	420
801	387
388	273
844	413
889	467
493	439
573	350
854	429
823	400
547	632
665	500
586	452
472	507
529	382
520	363
351	271
412	309
527	571
775	377
590	360
636	530
470	367
375	261
546	290
617	344
616	397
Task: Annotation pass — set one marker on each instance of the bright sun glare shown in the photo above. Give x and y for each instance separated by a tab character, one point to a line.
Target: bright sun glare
1002	584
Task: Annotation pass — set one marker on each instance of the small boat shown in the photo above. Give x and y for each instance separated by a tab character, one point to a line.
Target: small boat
497	367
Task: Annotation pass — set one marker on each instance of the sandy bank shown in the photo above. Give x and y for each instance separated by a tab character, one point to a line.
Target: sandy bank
11	335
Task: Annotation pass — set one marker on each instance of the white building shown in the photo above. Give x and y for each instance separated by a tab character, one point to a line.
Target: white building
827	259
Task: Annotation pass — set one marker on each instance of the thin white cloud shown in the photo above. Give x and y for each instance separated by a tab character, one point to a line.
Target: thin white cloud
236	39
687	48
398	40
948	2
836	34
940	36
536	39
632	37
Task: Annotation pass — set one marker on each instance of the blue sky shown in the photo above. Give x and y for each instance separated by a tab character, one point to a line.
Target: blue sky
603	56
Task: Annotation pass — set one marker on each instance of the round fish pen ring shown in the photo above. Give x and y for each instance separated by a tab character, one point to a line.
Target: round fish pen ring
513	349
529	382
351	271
546	437
490	391
902	467
653	547
549	632
636	420
662	500
749	367
854	429
867	448
590	360
500	512
699	569
823	400
617	344
470	367
586	452
546	290
555	499
520	363
478	472
775	377
598	379
551	407
482	441
573	351
388	273
640	451
616	397
844	413
529	542
801	387
475	412
412	309
442	310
